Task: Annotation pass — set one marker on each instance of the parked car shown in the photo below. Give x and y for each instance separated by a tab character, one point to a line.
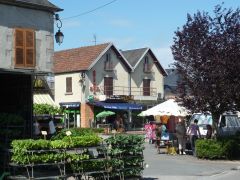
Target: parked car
203	120
228	123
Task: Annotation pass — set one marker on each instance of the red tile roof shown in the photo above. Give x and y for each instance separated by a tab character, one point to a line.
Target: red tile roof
77	59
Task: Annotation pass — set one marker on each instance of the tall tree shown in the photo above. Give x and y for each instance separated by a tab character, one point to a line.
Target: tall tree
207	57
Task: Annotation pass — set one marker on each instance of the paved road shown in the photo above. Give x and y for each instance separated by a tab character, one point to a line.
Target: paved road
179	167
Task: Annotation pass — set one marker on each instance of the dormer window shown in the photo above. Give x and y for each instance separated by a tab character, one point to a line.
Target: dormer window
108	63
146	65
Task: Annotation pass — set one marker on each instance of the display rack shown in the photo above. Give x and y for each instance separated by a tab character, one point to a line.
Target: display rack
62	168
120	158
130	160
8	132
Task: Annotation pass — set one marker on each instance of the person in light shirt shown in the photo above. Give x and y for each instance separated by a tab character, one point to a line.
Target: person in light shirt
52	128
36	126
194	133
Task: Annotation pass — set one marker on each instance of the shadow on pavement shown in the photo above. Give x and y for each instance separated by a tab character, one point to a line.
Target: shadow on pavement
149	178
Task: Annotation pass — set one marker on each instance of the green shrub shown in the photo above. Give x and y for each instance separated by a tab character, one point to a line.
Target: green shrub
76	132
46	109
30	144
210	149
227	147
29	150
232	149
82	141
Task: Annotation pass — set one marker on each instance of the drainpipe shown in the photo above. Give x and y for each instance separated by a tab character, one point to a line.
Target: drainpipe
130	93
130	84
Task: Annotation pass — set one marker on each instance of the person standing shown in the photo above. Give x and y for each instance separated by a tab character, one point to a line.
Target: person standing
209	131
52	128
181	135
37	128
118	123
194	133
158	132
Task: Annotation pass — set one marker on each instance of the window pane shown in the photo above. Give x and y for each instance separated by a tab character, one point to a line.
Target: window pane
29	57
68	84
19	56
29	39
19	38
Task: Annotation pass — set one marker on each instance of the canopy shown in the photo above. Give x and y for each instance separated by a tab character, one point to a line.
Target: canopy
43	98
105	114
169	108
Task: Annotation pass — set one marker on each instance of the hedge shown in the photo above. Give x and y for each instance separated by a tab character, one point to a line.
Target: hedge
221	148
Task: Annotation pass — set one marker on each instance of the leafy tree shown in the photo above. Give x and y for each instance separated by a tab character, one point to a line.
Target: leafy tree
207	57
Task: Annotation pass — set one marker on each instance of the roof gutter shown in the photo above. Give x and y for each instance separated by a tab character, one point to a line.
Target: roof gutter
31	5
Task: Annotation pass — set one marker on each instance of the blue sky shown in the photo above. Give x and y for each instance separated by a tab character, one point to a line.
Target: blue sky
130	24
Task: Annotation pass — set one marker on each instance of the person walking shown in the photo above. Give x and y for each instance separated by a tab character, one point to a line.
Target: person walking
181	135
194	133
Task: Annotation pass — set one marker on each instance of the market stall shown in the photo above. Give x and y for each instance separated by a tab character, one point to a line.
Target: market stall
166	113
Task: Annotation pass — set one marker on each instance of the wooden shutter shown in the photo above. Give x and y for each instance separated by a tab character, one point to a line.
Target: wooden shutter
19	47
146	87
30	49
68	84
108	86
24	48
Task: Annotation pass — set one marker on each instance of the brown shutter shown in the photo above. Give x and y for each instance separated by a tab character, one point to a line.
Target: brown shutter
146	87
30	49
19	47
24	48
68	84
108	86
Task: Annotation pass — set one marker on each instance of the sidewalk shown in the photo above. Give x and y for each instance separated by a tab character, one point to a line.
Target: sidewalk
164	166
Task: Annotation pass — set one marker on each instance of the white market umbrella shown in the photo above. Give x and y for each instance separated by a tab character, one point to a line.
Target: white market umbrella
169	108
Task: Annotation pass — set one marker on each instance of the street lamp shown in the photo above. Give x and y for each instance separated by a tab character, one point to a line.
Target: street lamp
59	35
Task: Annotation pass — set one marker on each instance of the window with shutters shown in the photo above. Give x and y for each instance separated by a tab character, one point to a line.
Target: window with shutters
146	87
108	66
69	85
24	48
146	66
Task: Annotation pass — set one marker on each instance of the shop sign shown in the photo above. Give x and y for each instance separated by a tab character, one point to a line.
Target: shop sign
122	97
90	98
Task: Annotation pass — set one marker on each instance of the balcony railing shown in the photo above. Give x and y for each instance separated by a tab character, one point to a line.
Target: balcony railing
123	90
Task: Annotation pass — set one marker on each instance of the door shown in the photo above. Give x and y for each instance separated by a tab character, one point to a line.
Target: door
146	87
108	86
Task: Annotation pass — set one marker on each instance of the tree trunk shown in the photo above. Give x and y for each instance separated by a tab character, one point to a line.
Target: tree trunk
215	118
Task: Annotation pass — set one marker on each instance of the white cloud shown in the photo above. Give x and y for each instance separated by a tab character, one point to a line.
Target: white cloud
164	55
120	23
